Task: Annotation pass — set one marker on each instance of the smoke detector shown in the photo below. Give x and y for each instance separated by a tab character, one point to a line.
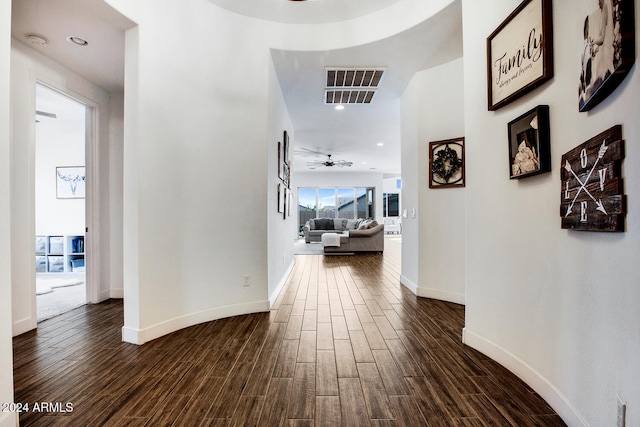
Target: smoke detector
37	40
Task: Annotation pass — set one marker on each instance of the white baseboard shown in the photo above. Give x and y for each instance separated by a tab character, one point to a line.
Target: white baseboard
116	293
24	325
409	284
8	419
528	374
141	336
432	293
441	295
283	281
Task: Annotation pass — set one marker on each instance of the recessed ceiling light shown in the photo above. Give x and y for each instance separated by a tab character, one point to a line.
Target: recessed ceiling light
380	144
37	40
77	40
339	107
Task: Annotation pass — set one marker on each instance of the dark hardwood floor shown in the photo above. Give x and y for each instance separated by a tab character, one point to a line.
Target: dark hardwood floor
344	344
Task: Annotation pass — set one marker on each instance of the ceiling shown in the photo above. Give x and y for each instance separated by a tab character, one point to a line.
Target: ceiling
101	61
304	12
353	134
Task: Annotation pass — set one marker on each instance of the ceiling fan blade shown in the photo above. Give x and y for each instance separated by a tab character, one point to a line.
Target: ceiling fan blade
307	151
45	114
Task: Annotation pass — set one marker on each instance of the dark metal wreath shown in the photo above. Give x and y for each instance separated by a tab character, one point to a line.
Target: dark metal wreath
446	163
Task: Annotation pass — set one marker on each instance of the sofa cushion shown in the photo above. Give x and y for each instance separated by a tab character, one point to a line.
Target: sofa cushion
324	223
352	224
312	224
340	224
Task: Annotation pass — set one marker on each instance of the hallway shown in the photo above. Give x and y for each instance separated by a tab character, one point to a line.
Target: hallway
344	344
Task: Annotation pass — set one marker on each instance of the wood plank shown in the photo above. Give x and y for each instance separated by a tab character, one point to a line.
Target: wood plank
374	392
345	360
276	401
394	382
326	373
360	346
328	411
325	336
302	402
307	347
340	330
286	363
352	404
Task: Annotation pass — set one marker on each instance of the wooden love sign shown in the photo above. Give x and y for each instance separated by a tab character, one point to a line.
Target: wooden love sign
592	185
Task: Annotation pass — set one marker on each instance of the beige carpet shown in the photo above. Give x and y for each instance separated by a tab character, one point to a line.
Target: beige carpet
57	294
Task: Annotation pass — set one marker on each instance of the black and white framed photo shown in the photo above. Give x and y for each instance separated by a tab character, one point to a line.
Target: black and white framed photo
529	145
520	53
70	182
607	51
285	147
280	192
446	163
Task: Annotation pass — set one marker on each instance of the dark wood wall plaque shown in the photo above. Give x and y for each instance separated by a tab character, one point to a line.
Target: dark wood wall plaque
592	196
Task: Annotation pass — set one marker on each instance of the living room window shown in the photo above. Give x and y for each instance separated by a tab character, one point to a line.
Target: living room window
390	204
343	202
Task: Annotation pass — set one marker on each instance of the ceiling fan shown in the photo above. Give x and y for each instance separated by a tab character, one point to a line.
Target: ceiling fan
329	162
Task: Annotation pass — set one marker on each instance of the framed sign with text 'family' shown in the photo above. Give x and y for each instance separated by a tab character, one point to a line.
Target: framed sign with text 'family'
520	53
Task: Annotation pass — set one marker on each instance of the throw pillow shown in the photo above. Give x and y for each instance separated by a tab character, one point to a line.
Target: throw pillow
324	224
312	224
363	225
372	224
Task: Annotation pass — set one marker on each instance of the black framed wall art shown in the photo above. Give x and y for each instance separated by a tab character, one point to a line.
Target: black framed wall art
608	49
446	163
520	53
529	143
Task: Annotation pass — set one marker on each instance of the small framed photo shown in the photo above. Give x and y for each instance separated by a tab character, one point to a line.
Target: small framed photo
280	160
446	163
529	145
280	191
70	182
520	53
608	49
285	146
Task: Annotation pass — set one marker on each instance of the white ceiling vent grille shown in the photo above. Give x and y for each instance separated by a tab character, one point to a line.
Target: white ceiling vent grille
351	85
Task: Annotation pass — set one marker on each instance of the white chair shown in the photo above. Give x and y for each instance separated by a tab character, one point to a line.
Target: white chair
392	225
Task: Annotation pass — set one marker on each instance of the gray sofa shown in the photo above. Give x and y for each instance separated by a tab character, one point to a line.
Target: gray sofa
360	240
316	227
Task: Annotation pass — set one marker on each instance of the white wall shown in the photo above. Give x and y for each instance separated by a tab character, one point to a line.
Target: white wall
6	346
28	67
196	159
557	307
281	232
116	160
433	243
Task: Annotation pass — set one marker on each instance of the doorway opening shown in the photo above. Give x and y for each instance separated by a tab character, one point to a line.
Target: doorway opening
60	191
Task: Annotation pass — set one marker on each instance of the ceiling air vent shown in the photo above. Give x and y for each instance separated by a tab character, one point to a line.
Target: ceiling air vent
351	85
